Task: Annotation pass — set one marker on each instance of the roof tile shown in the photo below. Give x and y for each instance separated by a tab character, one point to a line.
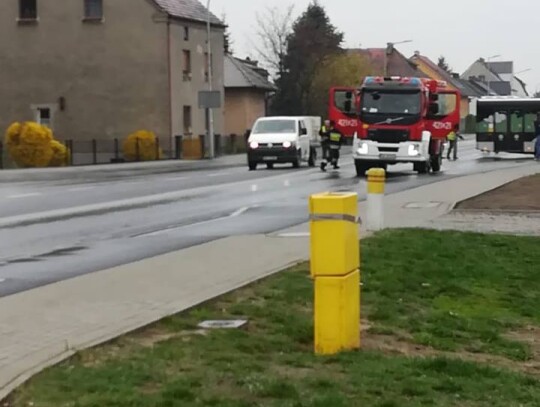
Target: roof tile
188	9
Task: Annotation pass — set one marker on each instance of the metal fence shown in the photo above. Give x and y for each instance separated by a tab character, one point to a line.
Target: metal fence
110	151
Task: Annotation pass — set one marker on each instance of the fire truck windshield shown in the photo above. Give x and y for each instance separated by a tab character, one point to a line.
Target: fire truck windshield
381	102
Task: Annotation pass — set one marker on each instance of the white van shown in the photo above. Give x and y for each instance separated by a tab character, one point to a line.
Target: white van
278	140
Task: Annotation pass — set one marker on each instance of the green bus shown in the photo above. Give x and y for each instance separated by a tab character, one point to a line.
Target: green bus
506	124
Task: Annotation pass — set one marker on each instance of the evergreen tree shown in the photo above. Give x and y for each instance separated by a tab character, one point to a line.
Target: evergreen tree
313	38
444	65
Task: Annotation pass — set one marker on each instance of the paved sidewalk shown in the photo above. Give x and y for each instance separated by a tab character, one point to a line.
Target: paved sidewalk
41	327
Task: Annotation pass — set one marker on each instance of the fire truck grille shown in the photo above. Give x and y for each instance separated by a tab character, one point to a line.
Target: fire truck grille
388	135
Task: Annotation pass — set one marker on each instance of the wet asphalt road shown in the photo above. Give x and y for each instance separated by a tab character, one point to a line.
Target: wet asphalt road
215	204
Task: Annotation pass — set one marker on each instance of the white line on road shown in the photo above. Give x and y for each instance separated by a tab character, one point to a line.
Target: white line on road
204	222
79	189
218	174
24	195
176	178
254	188
239	212
287	183
2	280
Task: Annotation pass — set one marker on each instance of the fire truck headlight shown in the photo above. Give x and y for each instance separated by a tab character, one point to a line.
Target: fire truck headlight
363	149
414	150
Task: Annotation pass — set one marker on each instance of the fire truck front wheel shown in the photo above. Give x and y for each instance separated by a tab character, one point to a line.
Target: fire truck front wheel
436	162
362	167
422	167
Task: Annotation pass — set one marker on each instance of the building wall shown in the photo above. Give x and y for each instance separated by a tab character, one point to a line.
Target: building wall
112	74
184	91
242	108
479	69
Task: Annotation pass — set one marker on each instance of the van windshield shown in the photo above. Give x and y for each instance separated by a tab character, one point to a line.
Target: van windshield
275	126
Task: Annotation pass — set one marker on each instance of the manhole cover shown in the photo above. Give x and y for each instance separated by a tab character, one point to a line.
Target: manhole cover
235	324
421	205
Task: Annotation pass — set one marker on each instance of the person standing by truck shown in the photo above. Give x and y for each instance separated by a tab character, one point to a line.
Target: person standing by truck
453	139
334	139
323	132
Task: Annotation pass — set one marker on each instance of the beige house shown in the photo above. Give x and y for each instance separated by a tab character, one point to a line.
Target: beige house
101	69
246	94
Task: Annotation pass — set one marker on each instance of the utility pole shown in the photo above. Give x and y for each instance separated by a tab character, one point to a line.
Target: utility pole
210	78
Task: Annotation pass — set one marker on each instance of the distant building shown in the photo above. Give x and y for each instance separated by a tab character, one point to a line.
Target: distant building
396	63
469	92
498	77
247	90
98	69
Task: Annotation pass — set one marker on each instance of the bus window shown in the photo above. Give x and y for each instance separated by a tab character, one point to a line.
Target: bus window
516	123
530	118
340	101
485	126
501	122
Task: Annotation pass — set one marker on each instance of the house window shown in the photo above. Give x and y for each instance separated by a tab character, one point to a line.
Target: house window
93	9
187	120
44	116
186	33
187	65
28	9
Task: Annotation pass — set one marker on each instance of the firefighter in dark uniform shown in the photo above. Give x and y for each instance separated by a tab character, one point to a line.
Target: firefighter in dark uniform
323	132
334	139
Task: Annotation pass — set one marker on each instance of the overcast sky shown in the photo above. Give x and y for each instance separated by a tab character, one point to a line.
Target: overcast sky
463	31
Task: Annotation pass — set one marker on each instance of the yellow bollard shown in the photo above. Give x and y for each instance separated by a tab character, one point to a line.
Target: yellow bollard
376	178
335	267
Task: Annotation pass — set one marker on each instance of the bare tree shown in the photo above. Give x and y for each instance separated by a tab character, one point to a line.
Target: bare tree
273	29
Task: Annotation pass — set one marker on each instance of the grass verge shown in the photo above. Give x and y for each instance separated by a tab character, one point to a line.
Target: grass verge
450	319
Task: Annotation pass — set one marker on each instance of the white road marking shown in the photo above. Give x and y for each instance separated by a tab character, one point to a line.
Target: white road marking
218	174
81	189
167	230
2	280
287	183
239	212
254	188
24	195
176	178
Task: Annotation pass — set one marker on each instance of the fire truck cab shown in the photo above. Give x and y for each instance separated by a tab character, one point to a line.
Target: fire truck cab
402	120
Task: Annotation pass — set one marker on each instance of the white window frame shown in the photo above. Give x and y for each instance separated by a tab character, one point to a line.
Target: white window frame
53	107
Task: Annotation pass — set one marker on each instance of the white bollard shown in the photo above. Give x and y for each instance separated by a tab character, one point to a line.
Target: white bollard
375	206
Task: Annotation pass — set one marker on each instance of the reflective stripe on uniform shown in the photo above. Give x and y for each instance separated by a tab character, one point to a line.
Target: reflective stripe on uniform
335	137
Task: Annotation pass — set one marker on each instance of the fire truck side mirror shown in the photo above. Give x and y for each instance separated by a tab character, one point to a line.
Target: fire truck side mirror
433	109
348	105
433	97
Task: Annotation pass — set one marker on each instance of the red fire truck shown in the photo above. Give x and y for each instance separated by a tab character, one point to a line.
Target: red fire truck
398	120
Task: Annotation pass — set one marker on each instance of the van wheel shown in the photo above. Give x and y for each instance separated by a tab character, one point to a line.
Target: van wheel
270	166
252	166
421	168
361	168
296	162
312	157
436	161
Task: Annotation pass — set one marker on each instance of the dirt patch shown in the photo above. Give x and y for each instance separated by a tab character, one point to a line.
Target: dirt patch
522	195
404	345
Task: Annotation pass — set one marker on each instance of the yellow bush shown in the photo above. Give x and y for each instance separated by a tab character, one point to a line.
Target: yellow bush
29	144
60	156
146	149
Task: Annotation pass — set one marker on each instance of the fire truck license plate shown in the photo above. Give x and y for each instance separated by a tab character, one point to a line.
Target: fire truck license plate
387	156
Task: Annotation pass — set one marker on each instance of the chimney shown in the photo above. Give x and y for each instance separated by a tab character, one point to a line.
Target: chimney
455	75
416	53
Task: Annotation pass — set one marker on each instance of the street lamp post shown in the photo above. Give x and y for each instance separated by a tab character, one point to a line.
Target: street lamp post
489	73
210	86
389	46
